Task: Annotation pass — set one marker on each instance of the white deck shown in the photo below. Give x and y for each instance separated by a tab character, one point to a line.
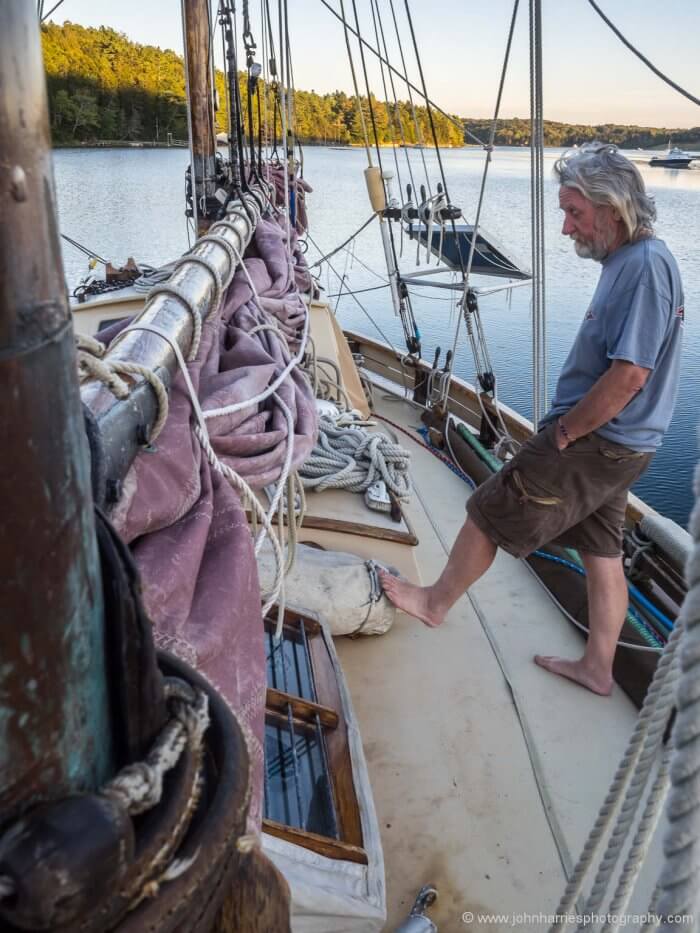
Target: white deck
453	776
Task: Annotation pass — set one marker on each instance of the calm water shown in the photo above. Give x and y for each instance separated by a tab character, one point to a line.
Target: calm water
130	202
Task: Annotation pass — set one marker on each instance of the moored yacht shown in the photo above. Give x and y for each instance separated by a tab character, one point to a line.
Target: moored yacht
674	158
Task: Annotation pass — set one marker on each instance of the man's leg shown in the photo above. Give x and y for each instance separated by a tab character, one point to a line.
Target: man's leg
471	556
607	608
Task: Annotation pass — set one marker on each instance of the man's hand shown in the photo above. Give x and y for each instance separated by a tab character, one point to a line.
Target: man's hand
562	437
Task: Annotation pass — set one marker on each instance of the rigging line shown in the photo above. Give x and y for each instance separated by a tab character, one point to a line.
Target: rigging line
266	81
642	57
354	81
52	10
475	231
392	122
360	291
365	266
291	102
392	244
361	306
432	127
348	256
369	95
419	136
240	129
397	108
227	96
425	95
296	137
537	204
344	243
211	119
84	249
404	78
283	118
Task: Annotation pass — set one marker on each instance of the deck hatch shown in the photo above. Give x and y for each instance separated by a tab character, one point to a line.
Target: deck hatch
297	781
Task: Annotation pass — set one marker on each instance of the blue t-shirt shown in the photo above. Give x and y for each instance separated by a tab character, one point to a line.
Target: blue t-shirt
636	315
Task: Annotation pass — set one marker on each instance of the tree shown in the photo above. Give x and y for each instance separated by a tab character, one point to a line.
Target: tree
85	112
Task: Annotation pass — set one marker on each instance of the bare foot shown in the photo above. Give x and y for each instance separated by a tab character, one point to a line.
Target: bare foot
412	599
578	672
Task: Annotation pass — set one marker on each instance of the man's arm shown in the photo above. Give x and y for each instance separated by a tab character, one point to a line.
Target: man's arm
604	400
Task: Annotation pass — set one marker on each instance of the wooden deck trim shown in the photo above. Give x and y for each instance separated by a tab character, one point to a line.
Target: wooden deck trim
331	848
305	710
337	746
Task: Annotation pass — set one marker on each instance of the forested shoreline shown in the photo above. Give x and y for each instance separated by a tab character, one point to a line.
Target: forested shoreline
104	87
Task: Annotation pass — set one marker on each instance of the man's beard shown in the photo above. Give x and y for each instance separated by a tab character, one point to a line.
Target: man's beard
597	248
591	249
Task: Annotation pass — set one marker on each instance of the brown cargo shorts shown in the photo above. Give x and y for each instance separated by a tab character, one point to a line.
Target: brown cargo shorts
574	497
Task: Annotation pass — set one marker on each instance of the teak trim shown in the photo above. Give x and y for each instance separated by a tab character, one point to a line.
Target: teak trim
305	710
331	848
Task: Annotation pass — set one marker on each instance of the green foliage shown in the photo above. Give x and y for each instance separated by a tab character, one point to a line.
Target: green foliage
102	86
516	132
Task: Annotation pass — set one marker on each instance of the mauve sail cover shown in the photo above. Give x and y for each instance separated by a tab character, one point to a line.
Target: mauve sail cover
184	522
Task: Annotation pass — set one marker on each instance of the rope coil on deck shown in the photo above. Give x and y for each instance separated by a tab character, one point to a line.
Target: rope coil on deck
353	459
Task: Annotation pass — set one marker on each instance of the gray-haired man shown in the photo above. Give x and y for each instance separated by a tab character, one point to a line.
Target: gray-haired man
613	403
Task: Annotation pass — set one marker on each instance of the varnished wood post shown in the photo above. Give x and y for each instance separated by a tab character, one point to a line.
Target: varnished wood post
54	728
200	95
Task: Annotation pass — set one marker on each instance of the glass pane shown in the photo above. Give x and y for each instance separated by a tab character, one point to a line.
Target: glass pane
288	666
297	791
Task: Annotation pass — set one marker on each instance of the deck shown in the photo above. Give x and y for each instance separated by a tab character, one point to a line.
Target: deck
487	771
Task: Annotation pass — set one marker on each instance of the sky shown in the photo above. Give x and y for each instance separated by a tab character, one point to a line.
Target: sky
589	76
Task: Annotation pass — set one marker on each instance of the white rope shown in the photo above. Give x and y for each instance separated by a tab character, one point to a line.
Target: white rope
275	384
168	288
236	481
648	732
108	373
138	787
353	459
679	882
639	848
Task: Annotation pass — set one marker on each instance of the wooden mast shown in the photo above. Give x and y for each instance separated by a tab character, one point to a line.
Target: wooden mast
199	71
54	725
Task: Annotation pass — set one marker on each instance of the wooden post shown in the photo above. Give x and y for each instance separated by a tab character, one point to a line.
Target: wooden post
54	725
200	95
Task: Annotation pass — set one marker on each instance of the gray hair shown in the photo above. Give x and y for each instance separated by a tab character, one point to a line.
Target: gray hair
604	176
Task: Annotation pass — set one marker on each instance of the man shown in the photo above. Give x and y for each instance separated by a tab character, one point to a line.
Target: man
613	403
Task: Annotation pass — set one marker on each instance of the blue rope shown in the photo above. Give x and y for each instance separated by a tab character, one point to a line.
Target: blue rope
425	434
642	624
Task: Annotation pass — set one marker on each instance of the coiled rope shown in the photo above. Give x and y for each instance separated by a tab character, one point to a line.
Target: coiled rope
353	459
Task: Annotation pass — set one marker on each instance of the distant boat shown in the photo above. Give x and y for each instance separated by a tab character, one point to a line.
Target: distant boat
674	158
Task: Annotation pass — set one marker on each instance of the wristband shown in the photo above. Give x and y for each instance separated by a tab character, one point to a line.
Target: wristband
567	437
